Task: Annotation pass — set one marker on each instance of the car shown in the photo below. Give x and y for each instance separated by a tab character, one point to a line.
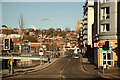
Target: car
76	56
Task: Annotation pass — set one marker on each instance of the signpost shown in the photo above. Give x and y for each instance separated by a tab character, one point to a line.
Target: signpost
41	53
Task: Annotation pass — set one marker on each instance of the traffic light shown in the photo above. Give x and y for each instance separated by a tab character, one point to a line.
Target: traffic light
11	44
6	44
106	45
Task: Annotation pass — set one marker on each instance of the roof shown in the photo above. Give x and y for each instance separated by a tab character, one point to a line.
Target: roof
35	44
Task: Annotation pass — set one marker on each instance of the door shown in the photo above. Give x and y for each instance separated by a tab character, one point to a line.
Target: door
107	58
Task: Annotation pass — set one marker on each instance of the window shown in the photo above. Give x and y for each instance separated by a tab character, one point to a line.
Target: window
104	1
105	27
105	13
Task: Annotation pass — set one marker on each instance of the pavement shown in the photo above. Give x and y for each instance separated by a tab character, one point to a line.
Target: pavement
5	72
113	72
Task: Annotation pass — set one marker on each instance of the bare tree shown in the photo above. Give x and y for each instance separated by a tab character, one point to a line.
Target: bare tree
21	26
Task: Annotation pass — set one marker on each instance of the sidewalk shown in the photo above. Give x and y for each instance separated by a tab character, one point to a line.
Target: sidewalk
113	72
5	73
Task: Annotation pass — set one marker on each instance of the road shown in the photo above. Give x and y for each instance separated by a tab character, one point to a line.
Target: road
65	68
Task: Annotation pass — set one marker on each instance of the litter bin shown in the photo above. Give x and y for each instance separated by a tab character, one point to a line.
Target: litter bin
116	63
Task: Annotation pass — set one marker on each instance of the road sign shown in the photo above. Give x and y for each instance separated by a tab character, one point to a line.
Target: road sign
40	53
95	44
101	44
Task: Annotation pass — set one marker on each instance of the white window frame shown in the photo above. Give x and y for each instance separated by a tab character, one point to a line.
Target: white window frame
104	14
106	60
104	26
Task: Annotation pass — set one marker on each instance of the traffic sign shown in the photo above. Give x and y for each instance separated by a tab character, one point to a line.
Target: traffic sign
95	44
40	53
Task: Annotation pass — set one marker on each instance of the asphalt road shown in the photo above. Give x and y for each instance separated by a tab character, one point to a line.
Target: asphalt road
66	68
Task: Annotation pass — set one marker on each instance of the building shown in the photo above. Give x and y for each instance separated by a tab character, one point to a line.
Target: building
118	34
88	20
105	28
79	34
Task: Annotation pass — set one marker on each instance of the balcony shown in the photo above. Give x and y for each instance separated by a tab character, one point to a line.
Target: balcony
85	17
85	37
85	22
85	32
85	27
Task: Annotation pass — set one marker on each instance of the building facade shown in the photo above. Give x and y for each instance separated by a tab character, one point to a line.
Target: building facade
105	29
88	20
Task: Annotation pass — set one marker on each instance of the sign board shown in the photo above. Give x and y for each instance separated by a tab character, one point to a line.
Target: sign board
95	44
111	44
101	44
110	50
40	53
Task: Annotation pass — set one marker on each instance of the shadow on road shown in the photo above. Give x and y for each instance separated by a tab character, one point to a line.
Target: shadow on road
97	78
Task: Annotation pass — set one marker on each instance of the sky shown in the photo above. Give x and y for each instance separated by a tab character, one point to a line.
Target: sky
43	15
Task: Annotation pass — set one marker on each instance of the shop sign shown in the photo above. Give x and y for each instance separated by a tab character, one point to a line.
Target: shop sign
95	44
101	44
111	44
110	50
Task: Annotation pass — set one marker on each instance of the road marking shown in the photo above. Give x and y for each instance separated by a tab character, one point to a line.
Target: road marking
65	66
61	77
82	65
108	76
109	73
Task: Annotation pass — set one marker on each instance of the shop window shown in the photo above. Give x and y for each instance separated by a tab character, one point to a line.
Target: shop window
109	62
108	56
104	55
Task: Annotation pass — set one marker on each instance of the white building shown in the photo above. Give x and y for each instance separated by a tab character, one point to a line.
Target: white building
88	20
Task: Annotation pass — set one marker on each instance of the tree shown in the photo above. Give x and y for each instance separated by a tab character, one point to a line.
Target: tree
21	25
4	26
67	29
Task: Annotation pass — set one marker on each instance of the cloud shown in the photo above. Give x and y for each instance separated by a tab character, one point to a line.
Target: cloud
47	19
44	19
51	18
